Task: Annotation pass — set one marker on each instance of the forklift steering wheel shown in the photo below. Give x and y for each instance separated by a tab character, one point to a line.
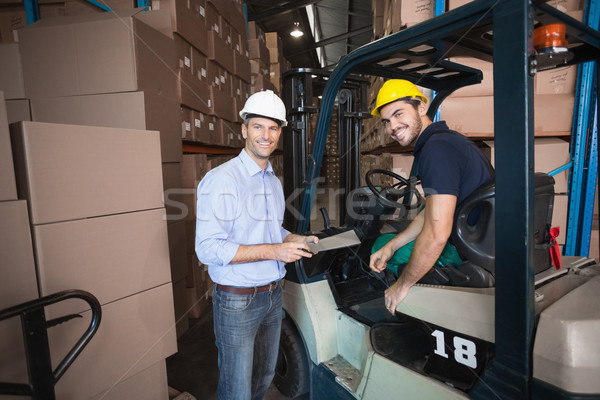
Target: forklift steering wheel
399	190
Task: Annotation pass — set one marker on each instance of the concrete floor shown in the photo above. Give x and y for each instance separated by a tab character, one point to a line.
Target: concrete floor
193	369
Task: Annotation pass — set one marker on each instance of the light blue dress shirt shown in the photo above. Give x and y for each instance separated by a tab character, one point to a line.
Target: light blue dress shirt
238	203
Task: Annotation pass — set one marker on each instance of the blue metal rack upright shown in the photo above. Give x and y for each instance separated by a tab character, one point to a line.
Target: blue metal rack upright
584	150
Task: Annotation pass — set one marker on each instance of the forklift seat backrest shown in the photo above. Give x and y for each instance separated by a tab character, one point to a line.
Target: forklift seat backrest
474	230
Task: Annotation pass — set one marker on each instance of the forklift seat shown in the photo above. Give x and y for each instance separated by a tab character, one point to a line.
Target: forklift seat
474	230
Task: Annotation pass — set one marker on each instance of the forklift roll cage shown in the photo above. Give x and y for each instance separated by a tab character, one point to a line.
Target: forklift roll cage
500	31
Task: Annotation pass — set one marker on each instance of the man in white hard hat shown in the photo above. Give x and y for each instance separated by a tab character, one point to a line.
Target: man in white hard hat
239	235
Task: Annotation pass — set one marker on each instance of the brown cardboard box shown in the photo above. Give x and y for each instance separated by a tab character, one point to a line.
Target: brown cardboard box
221	104
193	93
486	87
187	123
8	187
177	251
241	66
220	52
187	23
193	169
149	384
237	20
223	7
416	11
549	154
17	285
135	333
474	116
199	65
97	53
180	306
255	32
131	110
82	7
111	257
18	110
257	50
11	71
173	192
215	129
556	81
69	172
17	268
183	50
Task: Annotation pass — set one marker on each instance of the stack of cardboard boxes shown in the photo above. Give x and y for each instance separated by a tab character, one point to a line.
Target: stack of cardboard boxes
260	60
90	213
278	65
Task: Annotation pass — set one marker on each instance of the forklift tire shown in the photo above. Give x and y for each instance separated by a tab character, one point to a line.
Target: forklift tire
292	375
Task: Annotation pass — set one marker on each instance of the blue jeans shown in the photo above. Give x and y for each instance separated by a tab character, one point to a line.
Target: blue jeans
247	330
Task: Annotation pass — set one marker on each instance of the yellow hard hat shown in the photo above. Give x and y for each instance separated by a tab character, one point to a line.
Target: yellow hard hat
396	89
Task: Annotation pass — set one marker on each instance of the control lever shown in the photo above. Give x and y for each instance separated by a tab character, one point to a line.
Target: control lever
326	221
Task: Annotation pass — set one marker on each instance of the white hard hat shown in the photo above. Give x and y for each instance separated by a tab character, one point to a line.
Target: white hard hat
265	104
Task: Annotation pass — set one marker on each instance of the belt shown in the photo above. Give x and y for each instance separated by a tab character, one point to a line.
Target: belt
249	290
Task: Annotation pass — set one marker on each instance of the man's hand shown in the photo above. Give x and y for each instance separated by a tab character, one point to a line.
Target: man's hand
291	251
394	295
380	258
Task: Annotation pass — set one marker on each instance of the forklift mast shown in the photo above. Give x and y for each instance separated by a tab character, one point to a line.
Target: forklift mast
301	91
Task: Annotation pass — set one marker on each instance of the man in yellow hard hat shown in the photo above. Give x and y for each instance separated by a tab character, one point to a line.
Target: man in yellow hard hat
450	167
239	235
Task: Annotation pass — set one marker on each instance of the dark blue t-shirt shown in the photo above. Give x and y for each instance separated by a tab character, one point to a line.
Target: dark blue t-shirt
449	163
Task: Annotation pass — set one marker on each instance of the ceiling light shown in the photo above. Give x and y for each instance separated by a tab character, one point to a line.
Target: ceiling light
296	32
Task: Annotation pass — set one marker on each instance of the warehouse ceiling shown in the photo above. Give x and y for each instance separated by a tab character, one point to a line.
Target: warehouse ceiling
340	25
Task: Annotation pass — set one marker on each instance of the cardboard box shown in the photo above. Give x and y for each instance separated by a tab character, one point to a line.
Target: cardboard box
112	257
193	93
11	71
416	11
187	132
199	65
241	66
131	110
257	50
180	306
173	191
474	116
556	81
549	154
82	7
18	284
220	52
177	251
8	187
149	384
18	110
486	87
183	51
221	105
70	172
97	53
189	24
134	334
222	7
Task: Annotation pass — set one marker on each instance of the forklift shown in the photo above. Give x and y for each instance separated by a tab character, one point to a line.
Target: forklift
531	331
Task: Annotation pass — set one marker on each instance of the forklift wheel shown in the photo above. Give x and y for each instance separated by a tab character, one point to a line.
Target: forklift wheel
292	373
